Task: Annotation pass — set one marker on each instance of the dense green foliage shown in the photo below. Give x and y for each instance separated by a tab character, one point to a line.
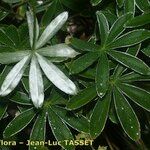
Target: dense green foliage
74	70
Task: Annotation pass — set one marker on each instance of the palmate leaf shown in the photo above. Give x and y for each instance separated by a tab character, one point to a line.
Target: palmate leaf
126	116
51	29
102	75
59	129
14	77
103	27
100	115
131	38
19	123
59	50
36	83
57	77
82	98
130	61
137	95
12	57
38	130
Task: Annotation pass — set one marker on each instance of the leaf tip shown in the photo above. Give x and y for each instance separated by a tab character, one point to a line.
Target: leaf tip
100	94
65	14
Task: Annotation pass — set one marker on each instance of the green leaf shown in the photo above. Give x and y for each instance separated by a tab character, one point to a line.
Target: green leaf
38	130
90	73
6	48
143	5
129	6
138	21
20	98
126	116
120	69
56	76
13	77
59	50
99	115
53	9
4	39
131	77
83	97
110	16
51	29
83	62
83	45
131	38
23	32
102	75
13	34
112	113
103	27
77	6
120	2
57	98
130	61
79	123
19	123
136	94
146	51
3	108
118	27
59	129
134	50
95	2
12	57
36	83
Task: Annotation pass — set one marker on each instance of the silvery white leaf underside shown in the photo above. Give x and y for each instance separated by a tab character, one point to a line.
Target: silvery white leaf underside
54	74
